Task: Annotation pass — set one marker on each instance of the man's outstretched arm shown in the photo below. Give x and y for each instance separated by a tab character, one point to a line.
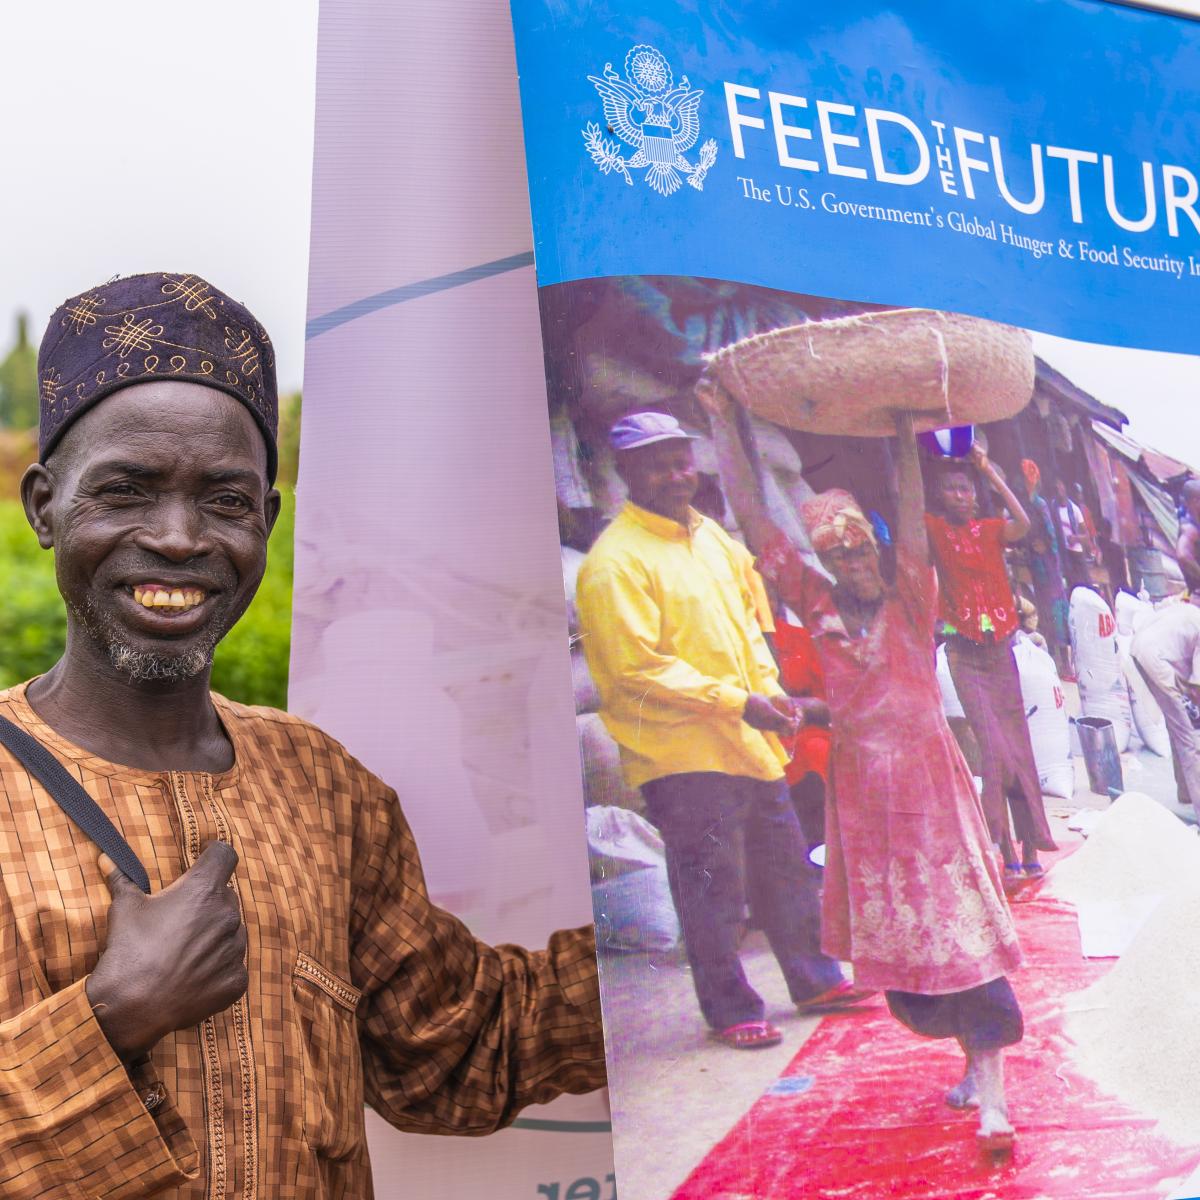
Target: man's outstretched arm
457	1036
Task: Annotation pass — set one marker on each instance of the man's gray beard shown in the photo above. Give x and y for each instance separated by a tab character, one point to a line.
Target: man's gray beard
144	666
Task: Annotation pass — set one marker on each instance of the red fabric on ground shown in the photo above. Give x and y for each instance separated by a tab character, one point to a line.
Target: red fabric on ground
873	1124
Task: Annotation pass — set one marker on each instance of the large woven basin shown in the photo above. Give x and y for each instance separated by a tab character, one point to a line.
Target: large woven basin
847	375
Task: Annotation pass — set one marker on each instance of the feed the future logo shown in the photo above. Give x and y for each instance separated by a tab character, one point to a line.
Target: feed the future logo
850	142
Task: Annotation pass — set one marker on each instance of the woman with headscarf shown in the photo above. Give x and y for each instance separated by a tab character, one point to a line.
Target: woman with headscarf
1045	566
913	896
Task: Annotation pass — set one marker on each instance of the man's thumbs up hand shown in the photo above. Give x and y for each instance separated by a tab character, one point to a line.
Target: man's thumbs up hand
171	959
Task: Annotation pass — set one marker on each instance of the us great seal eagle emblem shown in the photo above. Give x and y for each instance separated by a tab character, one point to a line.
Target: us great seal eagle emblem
657	118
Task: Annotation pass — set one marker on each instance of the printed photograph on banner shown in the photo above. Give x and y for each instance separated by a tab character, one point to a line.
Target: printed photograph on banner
887	690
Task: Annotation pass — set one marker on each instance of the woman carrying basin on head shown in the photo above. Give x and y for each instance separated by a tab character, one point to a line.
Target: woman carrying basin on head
979	615
913	895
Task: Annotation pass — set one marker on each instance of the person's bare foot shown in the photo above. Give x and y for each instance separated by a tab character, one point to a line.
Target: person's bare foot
993	1121
1029	861
996	1134
965	1093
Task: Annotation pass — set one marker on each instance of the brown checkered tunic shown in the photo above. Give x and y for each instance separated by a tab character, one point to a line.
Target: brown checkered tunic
360	990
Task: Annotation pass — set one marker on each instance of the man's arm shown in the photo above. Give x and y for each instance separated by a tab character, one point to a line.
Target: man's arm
1017	525
80	1110
74	1119
621	623
457	1036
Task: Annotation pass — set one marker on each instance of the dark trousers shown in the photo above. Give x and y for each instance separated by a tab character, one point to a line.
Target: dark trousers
987	1017
698	815
808	799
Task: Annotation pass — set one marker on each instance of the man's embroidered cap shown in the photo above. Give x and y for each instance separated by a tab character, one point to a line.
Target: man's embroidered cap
833	518
146	327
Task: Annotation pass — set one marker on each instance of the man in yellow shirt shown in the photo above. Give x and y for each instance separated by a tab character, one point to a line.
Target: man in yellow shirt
691	694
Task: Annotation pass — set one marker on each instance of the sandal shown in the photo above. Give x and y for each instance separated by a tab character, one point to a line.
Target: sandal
749	1035
842	995
1033	870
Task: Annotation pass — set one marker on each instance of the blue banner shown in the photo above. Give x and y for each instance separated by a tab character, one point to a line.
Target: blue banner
1033	162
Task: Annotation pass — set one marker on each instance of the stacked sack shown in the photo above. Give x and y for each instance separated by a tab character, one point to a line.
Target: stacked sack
1132	614
1103	689
631	896
1045	713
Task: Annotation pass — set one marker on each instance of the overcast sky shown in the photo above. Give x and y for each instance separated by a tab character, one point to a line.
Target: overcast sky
148	136
1159	393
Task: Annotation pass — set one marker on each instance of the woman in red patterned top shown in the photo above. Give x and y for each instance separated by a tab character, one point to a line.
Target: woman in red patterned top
980	617
913	895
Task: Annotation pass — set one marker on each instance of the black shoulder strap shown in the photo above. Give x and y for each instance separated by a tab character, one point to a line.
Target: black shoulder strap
73	800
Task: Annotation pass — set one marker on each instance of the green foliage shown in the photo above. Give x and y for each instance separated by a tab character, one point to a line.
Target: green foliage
251	664
18	382
289	437
33	623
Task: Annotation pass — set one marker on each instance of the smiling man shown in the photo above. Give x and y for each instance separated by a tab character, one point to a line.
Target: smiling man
691	694
218	1036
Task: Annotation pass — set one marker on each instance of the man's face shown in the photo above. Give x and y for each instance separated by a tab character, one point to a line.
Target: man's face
661	477
857	571
957	493
157	507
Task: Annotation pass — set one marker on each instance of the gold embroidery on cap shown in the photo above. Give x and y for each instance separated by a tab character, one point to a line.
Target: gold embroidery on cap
151	363
195	294
131	335
83	314
178	362
51	379
245	353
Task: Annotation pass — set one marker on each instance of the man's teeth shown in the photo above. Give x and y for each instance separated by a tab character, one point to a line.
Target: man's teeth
157	597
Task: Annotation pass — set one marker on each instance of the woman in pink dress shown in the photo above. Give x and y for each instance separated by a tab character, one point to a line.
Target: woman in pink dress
913	896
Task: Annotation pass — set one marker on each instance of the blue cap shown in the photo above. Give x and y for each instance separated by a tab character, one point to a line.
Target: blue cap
644	428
